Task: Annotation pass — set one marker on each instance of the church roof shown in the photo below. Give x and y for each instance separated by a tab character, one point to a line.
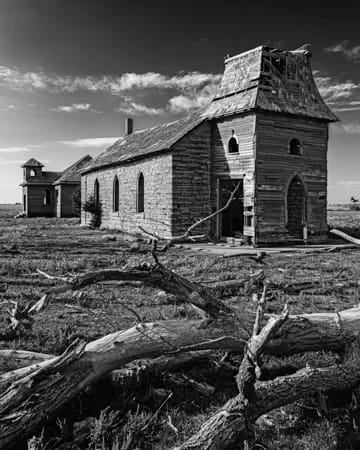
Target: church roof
144	142
32	162
72	175
269	79
262	79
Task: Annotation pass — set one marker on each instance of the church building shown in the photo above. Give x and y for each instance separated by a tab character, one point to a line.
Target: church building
266	128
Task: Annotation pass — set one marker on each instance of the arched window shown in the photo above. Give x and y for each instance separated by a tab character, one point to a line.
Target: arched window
96	192
116	194
140	194
32	173
295	147
233	146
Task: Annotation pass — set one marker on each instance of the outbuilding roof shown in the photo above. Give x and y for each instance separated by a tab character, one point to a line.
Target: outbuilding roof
45	178
72	175
32	162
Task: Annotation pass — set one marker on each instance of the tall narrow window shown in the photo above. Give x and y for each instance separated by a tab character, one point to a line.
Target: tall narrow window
233	146
47	197
116	194
96	192
32	173
140	194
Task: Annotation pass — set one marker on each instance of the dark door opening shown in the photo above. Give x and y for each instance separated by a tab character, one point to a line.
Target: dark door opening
296	207
232	219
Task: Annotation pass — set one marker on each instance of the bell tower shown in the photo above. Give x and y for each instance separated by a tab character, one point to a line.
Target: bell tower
32	168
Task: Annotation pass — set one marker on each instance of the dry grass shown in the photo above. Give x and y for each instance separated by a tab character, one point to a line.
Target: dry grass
61	247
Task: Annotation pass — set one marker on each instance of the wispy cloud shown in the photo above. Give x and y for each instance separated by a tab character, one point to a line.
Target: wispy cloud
91	142
348	128
137	109
349	183
340	95
40	80
8	108
19	149
345	48
4	161
75	107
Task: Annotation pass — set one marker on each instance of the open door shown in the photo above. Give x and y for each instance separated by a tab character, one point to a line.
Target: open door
296	207
232	219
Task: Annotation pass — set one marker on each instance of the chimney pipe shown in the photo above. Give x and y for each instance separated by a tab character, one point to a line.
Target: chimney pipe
129	125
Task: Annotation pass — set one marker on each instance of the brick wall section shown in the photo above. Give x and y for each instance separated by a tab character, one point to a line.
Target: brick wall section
191	180
157	216
275	168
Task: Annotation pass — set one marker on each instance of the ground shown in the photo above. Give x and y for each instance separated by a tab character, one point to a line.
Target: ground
60	246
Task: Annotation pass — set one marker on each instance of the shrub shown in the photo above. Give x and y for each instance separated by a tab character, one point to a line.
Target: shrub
94	208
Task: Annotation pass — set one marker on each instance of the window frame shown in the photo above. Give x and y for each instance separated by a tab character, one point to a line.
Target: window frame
140	194
116	194
300	146
96	191
231	139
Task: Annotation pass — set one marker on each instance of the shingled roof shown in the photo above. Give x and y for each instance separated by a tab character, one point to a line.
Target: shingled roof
144	142
272	80
46	178
72	175
264	79
32	162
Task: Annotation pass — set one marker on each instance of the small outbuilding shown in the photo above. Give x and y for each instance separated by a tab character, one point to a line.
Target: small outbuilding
51	194
266	129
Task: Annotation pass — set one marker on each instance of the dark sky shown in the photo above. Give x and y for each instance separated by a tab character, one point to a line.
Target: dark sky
72	70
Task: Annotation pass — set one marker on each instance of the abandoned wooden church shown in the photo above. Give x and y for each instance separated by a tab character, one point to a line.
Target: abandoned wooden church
50	194
266	127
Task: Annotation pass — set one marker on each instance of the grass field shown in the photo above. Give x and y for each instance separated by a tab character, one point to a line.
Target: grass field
59	247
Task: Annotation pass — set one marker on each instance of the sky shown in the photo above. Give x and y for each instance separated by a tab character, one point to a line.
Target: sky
71	71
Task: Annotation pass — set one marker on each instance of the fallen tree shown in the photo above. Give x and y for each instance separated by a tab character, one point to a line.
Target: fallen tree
34	387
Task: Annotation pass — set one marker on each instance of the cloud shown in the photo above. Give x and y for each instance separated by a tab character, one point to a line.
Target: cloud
91	142
8	108
137	109
348	128
75	107
4	161
349	183
40	80
195	99
21	149
352	53
339	95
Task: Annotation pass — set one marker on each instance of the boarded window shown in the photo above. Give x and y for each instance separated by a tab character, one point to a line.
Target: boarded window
116	194
140	194
233	146
47	197
96	192
295	147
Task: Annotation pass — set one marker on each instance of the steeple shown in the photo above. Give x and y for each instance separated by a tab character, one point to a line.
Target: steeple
269	79
32	168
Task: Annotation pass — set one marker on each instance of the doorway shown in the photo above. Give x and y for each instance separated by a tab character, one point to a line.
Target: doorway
296	206
232	219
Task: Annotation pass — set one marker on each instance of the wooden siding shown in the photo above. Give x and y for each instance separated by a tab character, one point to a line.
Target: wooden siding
35	201
275	168
191	180
233	165
66	206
